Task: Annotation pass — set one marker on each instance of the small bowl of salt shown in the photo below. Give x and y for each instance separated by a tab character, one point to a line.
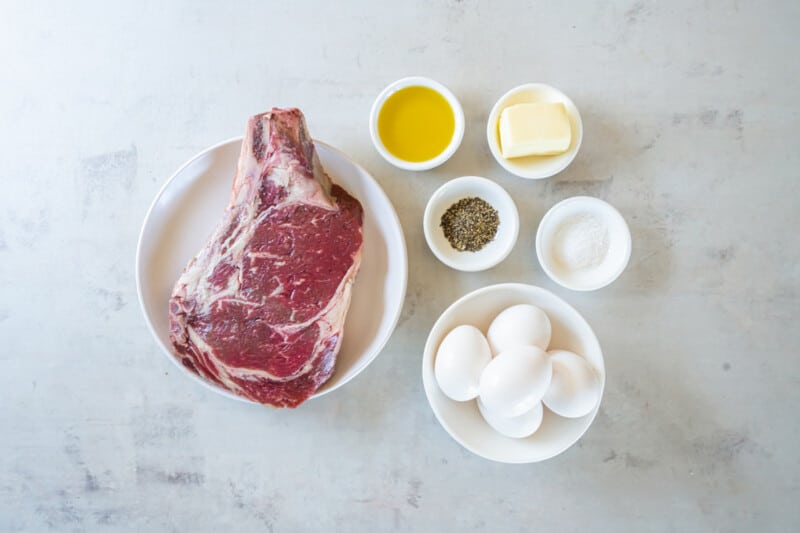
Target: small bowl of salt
583	243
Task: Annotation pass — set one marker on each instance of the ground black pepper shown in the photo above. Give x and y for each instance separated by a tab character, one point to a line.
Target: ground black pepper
470	224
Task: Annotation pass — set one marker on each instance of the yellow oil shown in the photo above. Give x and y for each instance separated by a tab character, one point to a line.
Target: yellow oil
416	124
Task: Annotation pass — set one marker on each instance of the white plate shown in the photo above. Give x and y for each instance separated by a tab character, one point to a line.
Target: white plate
463	421
188	207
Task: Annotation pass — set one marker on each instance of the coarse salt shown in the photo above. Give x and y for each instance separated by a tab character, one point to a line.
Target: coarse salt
581	242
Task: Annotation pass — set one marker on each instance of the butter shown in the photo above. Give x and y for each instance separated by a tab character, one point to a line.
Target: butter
534	129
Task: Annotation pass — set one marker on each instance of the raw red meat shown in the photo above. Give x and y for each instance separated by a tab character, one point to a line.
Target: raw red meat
261	308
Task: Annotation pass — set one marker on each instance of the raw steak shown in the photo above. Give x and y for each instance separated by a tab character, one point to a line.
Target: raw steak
260	309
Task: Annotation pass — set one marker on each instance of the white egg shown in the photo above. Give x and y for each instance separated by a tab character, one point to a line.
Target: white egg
575	388
460	361
519	325
517	427
515	380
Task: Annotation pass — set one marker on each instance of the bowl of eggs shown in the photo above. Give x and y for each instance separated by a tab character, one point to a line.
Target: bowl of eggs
513	373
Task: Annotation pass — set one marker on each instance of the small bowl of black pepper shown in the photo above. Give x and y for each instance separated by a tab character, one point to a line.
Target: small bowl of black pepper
471	223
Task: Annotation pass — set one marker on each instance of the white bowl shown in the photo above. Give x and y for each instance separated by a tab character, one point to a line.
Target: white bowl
463	421
412	81
186	210
534	167
619	239
491	254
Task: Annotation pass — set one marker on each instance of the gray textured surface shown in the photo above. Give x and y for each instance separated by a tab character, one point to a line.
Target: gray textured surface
691	119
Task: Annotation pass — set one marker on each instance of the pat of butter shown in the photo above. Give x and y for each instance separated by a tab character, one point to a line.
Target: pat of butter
534	129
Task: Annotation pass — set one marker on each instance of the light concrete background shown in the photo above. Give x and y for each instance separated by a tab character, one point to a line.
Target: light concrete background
691	121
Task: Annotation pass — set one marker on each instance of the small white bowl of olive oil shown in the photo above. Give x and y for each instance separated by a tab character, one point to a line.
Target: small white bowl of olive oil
416	123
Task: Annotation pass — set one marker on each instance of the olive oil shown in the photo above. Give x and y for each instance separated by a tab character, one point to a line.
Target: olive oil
416	124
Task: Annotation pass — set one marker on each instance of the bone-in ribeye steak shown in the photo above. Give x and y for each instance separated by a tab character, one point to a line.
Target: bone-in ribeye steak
261	308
